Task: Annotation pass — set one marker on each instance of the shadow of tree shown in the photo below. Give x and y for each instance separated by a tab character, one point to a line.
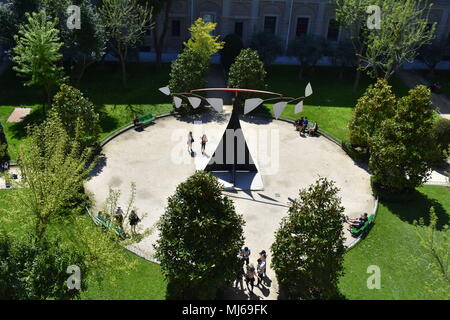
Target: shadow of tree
416	205
36	117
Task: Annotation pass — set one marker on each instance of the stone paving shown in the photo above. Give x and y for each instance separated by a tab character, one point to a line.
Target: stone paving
157	160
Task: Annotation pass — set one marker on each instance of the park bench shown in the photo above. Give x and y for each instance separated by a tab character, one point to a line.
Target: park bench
365	227
105	223
309	126
145	120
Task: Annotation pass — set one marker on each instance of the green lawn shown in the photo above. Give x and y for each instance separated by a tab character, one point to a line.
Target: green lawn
102	85
332	101
145	281
391	245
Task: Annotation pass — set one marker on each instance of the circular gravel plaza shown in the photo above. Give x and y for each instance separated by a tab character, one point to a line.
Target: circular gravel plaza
157	160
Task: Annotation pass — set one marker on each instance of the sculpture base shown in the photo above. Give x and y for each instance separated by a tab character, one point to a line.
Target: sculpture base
245	181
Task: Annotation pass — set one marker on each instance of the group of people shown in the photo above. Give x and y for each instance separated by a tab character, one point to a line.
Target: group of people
302	126
133	218
358	222
190	141
251	272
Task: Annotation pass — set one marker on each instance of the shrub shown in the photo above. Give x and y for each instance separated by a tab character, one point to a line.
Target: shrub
308	50
200	237
231	49
402	148
268	45
308	252
77	115
376	105
441	133
187	73
247	72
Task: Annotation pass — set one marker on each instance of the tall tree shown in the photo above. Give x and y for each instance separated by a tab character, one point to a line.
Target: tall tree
308	50
308	252
377	104
126	22
202	40
352	16
53	172
268	45
402	147
77	115
433	53
200	237
37	53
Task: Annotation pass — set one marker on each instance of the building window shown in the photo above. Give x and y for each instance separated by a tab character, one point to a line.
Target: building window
333	30
239	28
176	28
270	24
208	17
302	26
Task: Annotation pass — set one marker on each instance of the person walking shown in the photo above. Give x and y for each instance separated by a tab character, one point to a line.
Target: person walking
240	278
203	141
250	277
134	220
245	255
190	140
261	270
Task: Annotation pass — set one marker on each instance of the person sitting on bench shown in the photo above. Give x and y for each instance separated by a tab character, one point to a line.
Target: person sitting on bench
305	124
298	124
137	122
313	129
359	222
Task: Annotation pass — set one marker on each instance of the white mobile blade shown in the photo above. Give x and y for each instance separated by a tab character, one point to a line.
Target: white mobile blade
308	90
278	108
299	107
251	104
216	103
177	101
165	90
195	102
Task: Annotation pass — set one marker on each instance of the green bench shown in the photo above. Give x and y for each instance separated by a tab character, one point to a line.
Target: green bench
365	226
144	120
102	221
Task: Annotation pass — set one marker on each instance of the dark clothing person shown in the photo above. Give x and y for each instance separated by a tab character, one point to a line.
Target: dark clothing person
250	277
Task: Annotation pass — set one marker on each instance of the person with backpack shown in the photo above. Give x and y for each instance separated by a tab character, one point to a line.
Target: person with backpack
190	140
134	220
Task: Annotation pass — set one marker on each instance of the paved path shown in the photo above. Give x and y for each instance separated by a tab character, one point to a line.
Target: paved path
157	161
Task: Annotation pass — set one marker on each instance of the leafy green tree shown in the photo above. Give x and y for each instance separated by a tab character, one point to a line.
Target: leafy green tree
377	104
247	72
441	134
126	23
187	72
433	53
53	172
402	148
231	49
342	55
202	41
268	45
437	258
200	237
77	115
29	272
352	17
308	252
37	53
308	50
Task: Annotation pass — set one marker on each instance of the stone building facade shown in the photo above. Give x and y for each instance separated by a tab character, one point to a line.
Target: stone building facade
286	18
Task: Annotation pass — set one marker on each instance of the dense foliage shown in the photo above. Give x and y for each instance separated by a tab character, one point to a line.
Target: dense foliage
308	251
268	45
377	104
308	50
200	237
402	148
77	115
